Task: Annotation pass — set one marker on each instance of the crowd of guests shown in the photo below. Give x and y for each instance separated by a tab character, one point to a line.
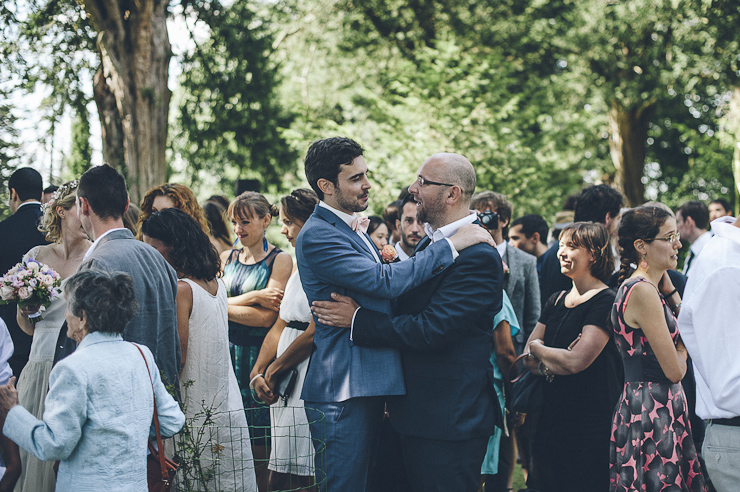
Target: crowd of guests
359	366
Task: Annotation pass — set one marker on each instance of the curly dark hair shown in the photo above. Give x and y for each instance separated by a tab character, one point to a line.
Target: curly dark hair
192	253
644	223
299	205
106	298
325	158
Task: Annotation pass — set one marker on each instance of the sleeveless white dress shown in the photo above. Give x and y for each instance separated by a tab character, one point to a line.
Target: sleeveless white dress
292	451
37	475
225	443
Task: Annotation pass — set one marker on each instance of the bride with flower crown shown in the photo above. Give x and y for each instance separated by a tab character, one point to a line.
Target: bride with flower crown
69	243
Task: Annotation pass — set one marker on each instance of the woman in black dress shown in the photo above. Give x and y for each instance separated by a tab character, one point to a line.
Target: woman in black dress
571	348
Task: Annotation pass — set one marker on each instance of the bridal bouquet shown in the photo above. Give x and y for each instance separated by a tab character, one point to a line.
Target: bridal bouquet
30	283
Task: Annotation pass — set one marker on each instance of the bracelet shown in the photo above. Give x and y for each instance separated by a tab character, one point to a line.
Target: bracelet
251	383
545	372
668	296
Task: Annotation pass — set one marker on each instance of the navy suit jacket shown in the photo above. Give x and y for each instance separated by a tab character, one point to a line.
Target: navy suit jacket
443	330
18	234
333	258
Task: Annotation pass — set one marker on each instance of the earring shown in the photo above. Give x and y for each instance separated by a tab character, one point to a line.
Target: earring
264	243
644	265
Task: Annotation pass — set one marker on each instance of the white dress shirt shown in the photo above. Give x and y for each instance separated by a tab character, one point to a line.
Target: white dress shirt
348	219
401	253
696	248
708	324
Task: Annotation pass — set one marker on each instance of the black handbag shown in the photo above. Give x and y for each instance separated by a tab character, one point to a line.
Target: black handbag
527	390
286	384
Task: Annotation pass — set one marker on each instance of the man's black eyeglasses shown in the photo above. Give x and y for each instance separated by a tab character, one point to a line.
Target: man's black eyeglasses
423	182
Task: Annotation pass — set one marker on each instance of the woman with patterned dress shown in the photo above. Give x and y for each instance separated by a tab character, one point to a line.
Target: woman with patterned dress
571	348
255	278
69	245
286	348
207	381
651	445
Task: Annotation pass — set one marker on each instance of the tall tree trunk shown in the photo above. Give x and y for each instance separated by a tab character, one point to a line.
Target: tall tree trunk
110	123
135	50
628	129
733	124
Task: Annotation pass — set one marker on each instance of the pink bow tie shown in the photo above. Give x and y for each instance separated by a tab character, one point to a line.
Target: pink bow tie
360	224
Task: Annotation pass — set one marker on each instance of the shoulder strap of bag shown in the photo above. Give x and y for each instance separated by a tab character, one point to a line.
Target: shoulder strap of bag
160	446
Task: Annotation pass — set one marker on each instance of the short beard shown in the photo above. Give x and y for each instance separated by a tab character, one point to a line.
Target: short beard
347	205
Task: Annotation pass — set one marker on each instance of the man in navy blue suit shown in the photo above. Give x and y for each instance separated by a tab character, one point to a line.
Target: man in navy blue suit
346	383
18	234
443	330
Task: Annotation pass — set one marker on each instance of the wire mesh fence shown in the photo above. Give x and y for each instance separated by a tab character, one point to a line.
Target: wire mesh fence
214	452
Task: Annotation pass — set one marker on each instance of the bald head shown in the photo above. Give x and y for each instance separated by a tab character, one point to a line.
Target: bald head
457	170
449	182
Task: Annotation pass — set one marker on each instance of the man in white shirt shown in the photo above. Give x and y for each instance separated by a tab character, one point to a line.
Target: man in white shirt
692	219
710	331
410	228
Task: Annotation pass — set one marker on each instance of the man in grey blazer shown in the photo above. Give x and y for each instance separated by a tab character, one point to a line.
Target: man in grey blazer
347	383
102	200
520	269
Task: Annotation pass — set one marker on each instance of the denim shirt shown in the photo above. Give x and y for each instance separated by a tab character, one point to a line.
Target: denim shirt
98	416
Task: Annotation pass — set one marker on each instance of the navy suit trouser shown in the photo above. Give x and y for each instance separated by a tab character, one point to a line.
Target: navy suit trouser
343	434
434	465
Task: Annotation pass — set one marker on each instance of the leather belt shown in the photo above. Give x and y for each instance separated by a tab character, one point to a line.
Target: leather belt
298	325
734	421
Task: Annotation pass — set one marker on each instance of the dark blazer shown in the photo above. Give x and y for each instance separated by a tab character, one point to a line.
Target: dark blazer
443	330
523	288
333	258
18	234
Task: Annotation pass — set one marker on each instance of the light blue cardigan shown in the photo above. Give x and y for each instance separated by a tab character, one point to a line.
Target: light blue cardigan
98	417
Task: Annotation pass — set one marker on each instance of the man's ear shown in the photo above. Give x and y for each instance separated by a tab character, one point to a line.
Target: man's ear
84	205
535	237
503	222
398	224
128	202
326	186
13	195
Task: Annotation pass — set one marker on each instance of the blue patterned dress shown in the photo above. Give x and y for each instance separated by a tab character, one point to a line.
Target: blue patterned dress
246	341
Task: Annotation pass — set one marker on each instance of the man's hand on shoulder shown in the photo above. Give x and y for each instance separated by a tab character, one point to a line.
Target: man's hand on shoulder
470	235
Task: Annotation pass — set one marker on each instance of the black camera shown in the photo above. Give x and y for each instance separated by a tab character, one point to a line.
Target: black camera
488	219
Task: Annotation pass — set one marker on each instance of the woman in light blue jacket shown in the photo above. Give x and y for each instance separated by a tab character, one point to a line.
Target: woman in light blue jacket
98	414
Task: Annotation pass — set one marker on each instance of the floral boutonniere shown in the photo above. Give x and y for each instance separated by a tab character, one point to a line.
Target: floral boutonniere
388	254
507	272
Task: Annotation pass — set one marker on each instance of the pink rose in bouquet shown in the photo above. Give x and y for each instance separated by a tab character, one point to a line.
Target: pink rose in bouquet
30	283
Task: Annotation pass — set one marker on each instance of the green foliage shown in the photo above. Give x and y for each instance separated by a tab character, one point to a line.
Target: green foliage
230	121
79	158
